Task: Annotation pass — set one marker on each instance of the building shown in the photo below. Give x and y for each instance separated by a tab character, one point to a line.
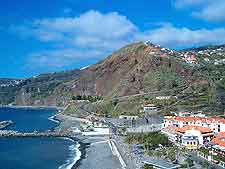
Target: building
171	132
216	124
160	164
198	114
124	117
184	114
191	137
219	143
150	108
190	114
190	58
165	97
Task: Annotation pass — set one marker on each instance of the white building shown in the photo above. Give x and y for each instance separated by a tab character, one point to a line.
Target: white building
150	108
124	117
170	131
216	124
191	137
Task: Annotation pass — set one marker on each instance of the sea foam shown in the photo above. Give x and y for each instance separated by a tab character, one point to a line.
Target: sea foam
74	156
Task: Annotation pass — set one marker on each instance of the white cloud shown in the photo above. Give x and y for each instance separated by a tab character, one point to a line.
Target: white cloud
215	11
174	37
95	35
210	10
179	4
55	59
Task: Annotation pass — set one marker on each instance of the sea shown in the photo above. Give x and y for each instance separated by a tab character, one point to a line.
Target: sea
39	152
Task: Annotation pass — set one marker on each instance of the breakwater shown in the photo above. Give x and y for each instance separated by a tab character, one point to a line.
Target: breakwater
4	124
11	133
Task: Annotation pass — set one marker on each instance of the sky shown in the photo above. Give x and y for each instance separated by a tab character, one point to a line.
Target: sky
56	35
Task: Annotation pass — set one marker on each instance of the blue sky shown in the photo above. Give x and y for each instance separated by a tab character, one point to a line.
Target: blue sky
54	35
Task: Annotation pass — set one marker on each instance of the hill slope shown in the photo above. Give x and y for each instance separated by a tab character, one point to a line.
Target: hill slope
138	68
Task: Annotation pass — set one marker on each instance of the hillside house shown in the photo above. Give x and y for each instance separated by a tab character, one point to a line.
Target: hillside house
124	117
190	58
150	108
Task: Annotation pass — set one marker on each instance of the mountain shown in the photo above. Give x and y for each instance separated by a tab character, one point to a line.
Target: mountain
136	69
37	90
129	71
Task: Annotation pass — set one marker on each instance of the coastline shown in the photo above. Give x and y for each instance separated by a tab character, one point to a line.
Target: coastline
63	121
83	150
91	148
33	107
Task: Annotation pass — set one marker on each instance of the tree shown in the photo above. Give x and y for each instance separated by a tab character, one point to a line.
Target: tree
146	166
206	164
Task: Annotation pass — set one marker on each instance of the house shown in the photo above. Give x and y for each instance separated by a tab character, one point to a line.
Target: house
150	108
165	97
190	58
191	137
184	114
124	117
198	114
190	114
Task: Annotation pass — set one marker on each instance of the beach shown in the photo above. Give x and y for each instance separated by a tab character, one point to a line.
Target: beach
95	150
97	155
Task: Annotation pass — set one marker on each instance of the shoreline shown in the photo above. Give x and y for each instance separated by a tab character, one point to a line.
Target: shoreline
84	144
83	150
33	107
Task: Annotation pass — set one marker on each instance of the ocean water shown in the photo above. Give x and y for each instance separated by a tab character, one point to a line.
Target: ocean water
28	119
35	153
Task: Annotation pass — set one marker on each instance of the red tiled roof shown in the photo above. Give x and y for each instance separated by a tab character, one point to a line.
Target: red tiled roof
219	139
200	119
199	128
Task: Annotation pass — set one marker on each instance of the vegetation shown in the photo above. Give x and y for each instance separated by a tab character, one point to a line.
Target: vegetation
131	70
146	166
150	140
219	157
89	98
187	163
164	78
204	151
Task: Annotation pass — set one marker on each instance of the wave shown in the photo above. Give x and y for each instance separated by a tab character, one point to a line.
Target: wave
52	118
67	138
75	155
